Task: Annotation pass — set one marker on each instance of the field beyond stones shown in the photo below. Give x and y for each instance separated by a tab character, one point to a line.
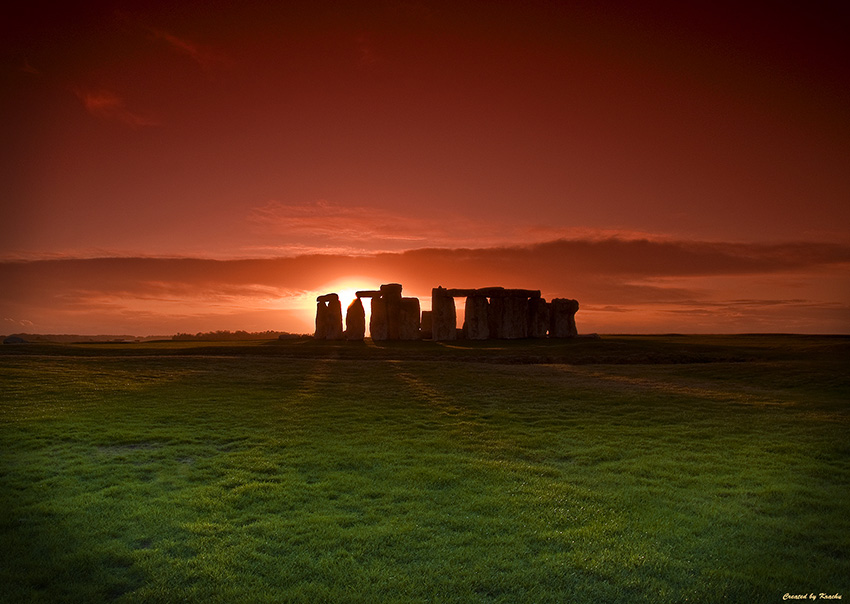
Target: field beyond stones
618	469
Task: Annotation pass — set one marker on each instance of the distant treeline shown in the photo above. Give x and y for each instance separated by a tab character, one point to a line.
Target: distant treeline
68	338
236	335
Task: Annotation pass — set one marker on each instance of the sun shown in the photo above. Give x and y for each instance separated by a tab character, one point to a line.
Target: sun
347	288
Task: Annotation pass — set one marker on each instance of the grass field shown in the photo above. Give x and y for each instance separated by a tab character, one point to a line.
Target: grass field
623	469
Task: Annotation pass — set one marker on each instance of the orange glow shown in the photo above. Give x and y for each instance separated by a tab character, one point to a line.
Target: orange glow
346	288
675	167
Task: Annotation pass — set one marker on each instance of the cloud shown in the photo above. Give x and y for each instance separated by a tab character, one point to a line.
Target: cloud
622	285
364	230
644	258
18	322
208	58
109	106
343	223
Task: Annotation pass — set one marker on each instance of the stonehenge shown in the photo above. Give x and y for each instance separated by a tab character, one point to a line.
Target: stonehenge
489	313
562	318
538	318
393	317
475	321
328	318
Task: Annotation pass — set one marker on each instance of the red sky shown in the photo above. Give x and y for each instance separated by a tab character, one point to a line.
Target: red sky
675	166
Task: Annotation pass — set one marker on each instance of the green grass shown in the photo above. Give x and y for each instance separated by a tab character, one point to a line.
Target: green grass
626	469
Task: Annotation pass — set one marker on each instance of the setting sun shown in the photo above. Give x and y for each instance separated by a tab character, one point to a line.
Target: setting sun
346	288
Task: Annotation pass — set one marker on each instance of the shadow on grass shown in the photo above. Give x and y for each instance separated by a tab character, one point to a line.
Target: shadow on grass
46	558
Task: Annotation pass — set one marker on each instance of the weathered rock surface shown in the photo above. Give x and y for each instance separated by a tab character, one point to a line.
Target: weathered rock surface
515	318
443	315
334	320
475	321
495	314
538	318
385	323
427	325
355	321
391	295
321	321
378	320
328	318
391	291
492	292
368	293
408	319
562	321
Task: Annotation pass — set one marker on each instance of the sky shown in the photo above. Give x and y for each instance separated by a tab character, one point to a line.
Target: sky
196	166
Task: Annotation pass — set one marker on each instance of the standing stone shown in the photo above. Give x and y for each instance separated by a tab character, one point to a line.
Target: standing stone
562	322
391	291
334	320
378	320
515	318
391	295
321	332
408	324
538	318
355	321
571	319
328	318
443	315
475	319
495	316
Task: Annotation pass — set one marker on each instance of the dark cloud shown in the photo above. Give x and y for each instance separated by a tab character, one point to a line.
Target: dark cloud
610	276
553	263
